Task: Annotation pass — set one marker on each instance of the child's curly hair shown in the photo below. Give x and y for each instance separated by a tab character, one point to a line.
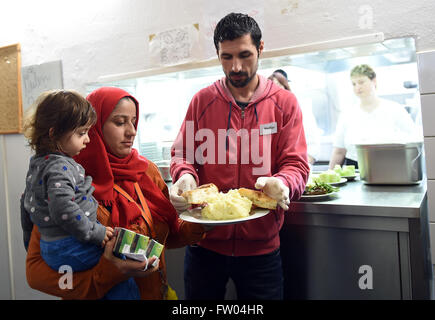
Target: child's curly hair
54	114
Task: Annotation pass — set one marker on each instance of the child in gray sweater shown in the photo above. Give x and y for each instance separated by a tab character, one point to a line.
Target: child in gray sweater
58	196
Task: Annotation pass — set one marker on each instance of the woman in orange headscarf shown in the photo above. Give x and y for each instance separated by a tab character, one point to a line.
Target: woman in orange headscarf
131	194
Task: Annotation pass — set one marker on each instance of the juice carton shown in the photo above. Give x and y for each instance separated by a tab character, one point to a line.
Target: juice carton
124	240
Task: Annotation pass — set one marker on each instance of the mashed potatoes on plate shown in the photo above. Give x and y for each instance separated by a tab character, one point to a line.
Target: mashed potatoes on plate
226	206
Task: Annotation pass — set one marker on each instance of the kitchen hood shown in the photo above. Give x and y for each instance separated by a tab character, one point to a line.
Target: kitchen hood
387	53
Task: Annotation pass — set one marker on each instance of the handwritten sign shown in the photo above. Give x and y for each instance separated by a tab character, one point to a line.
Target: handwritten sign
39	78
174	46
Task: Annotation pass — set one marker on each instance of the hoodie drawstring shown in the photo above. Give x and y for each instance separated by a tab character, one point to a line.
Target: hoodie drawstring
255	110
228	126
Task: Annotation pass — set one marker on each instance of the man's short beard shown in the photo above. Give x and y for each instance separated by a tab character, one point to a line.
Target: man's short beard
248	79
240	84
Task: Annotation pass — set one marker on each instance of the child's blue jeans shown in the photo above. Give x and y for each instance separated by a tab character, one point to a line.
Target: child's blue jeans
83	256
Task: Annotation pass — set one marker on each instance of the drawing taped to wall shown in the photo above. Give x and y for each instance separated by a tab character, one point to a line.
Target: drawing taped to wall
175	46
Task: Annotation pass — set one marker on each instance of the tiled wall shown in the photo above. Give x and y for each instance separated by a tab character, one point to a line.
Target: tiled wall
426	70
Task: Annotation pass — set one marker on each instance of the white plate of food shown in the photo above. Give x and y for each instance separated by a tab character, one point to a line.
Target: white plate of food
194	215
338	183
318	191
350	178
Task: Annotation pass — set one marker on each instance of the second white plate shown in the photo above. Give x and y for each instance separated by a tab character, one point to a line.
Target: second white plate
339	183
317	196
350	178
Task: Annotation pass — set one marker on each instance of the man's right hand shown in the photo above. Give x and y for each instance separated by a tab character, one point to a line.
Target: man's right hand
186	182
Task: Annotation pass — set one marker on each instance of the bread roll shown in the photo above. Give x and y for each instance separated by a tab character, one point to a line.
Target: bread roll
259	198
201	194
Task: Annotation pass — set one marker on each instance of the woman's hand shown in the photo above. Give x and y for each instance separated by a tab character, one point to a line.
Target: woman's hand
337	157
130	268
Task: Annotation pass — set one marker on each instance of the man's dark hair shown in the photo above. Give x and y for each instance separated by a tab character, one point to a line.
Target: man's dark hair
236	25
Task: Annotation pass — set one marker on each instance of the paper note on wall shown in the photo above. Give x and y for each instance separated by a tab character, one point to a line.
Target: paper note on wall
39	78
175	46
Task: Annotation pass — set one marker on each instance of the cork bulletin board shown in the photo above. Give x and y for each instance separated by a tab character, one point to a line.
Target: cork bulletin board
11	108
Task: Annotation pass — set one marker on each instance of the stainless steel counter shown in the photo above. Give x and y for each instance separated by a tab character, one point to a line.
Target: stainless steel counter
323	244
357	198
384	227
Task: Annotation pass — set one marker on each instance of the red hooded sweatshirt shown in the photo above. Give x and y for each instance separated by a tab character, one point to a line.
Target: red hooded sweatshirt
222	144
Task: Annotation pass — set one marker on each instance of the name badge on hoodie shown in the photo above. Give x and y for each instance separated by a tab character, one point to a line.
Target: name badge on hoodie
268	128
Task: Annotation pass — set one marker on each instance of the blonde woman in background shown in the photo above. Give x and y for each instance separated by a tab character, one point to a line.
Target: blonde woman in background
374	120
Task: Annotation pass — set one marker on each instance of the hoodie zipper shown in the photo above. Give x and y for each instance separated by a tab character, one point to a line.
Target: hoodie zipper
239	156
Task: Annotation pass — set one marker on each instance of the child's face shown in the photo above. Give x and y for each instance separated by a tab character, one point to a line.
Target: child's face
74	142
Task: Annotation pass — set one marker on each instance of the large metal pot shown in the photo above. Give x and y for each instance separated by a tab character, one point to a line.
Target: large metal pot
390	163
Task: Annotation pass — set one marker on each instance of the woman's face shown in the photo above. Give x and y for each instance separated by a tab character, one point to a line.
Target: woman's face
119	129
363	86
277	82
280	80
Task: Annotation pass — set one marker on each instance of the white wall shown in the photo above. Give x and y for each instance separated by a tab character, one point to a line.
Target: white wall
98	37
5	283
104	37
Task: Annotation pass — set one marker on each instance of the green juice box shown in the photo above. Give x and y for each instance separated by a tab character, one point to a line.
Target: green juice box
140	243
154	249
136	246
124	240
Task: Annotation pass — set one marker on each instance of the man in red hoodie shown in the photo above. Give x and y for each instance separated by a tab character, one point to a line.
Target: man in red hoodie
241	131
